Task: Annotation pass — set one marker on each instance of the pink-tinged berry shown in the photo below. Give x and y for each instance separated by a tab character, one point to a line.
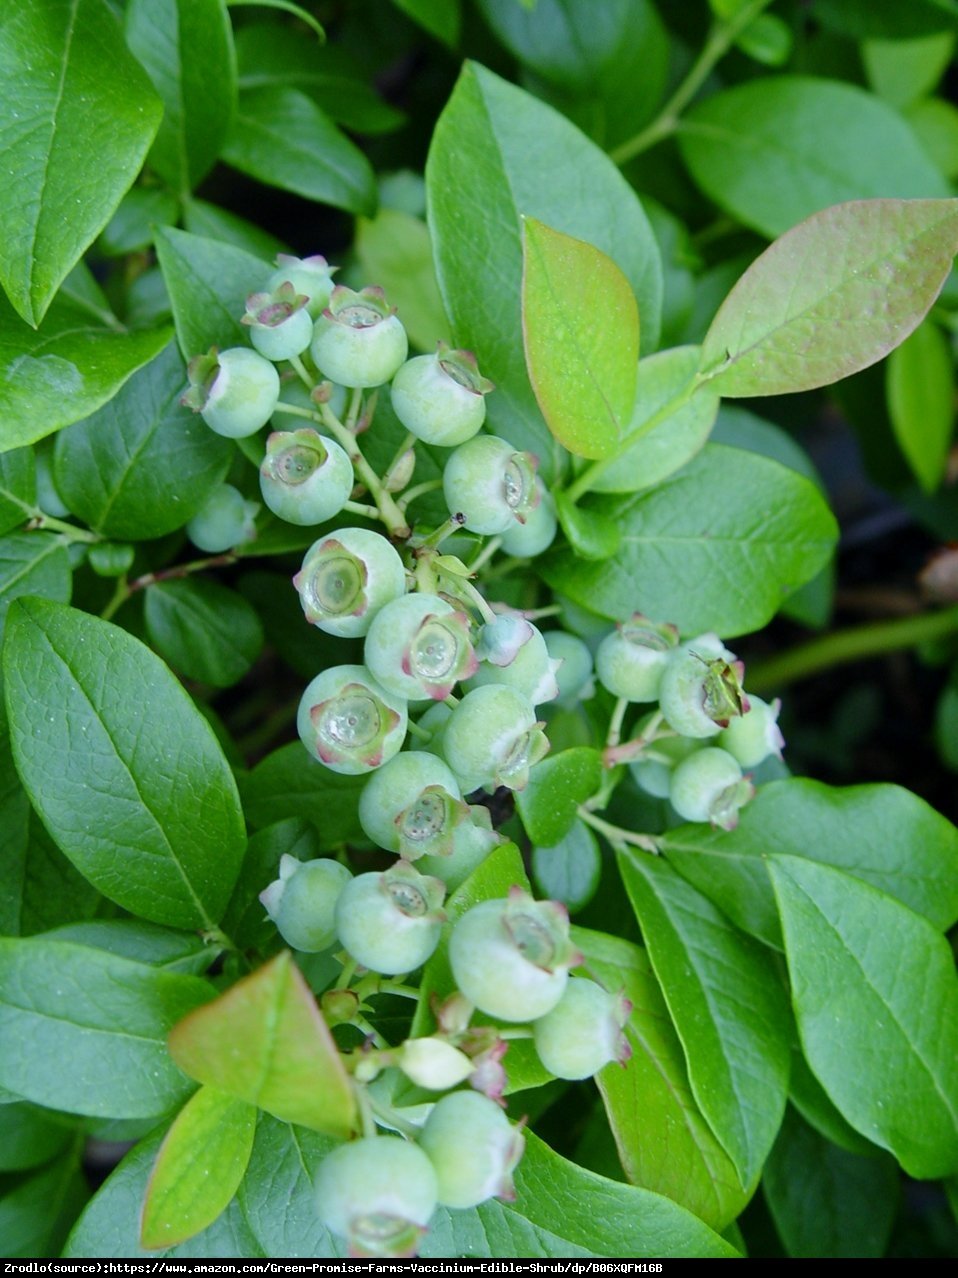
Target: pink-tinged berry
439	398
391	922
234	391
412	806
346	578
310	276
473	1148
513	652
709	786
350	722
302	901
305	478
472	841
701	687
491	484
358	340
378	1194
419	646
583	1032
631	660
278	322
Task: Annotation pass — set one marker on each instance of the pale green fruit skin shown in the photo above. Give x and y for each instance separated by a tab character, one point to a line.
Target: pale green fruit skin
390	635
473	1148
538	532
574	675
379	935
385	581
311	278
376	1176
581	1033
470	847
316	498
305	917
329	684
283	341
482	730
489	969
474	484
654	776
243	395
680	690
224	521
433	406
629	670
392	788
359	357
753	736
699	780
530	672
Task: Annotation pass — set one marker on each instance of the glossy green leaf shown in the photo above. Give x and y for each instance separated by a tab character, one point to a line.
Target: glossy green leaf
144	804
777	149
784	327
85	1031
282	138
800	817
441	18
590	532
665	429
36	1215
716	546
30	1136
826	1201
208	283
213	223
935	123
394	249
284	6
727	1005
662	1139
876	1000
33	563
143	942
139	213
18	487
886	19
204	630
186	47
569	870
143	464
198	1169
580	330
481	144
65	370
283	1163
265	1041
811	1100
289	782
919	383
549	803
68	83
902	71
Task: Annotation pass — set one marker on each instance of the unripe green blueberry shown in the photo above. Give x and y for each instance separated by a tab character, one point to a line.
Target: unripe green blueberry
583	1031
378	1194
302	901
358	340
433	1063
391	922
439	398
537	534
574	671
653	769
310	276
709	786
753	736
472	841
346	578
513	652
223	521
305	478
490	484
701	687
350	722
412	806
631	660
419	646
473	1148
279	324
493	738
512	957
234	391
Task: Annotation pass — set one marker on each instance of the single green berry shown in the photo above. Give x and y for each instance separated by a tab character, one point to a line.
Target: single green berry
418	646
574	671
472	841
537	534
310	276
439	398
234	391
278	321
493	738
473	1148
512	957
378	1194
583	1031
223	521
349	722
701	687
305	478
653	769
412	806
433	1063
709	786
346	578
358	340
631	660
391	922
754	735
490	484
513	652
302	901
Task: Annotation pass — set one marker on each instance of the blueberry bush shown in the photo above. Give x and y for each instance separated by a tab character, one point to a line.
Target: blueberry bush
403	622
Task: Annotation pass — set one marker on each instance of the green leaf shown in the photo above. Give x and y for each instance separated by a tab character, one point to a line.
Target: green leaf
30	1136
198	1169
76	106
204	630
33	563
580	330
666	428
784	327
779	148
716	546
18	487
900	845
284	6
281	1169
888	20
132	226
875	996
65	370
562	1210
919	377
811	1100
282	138
663	1141
208	283
727	1006
826	1201
569	870
549	803
441	18
289	782
480	145
935	124
141	942
143	464
144	804
202	218
36	1215
186	47
266	1042
246	922
902	71
589	531
85	1031
394	249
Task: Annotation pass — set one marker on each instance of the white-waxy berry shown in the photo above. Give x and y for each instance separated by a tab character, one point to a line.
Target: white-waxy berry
358	340
472	841
305	478
701	687
346	578
310	276
419	647
490	484
755	735
473	1148
537	534
709	786
377	1194
412	805
226	519
574	673
302	901
439	398
583	1032
349	722
493	738
391	922
513	652
654	767
631	660
278	322
234	391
